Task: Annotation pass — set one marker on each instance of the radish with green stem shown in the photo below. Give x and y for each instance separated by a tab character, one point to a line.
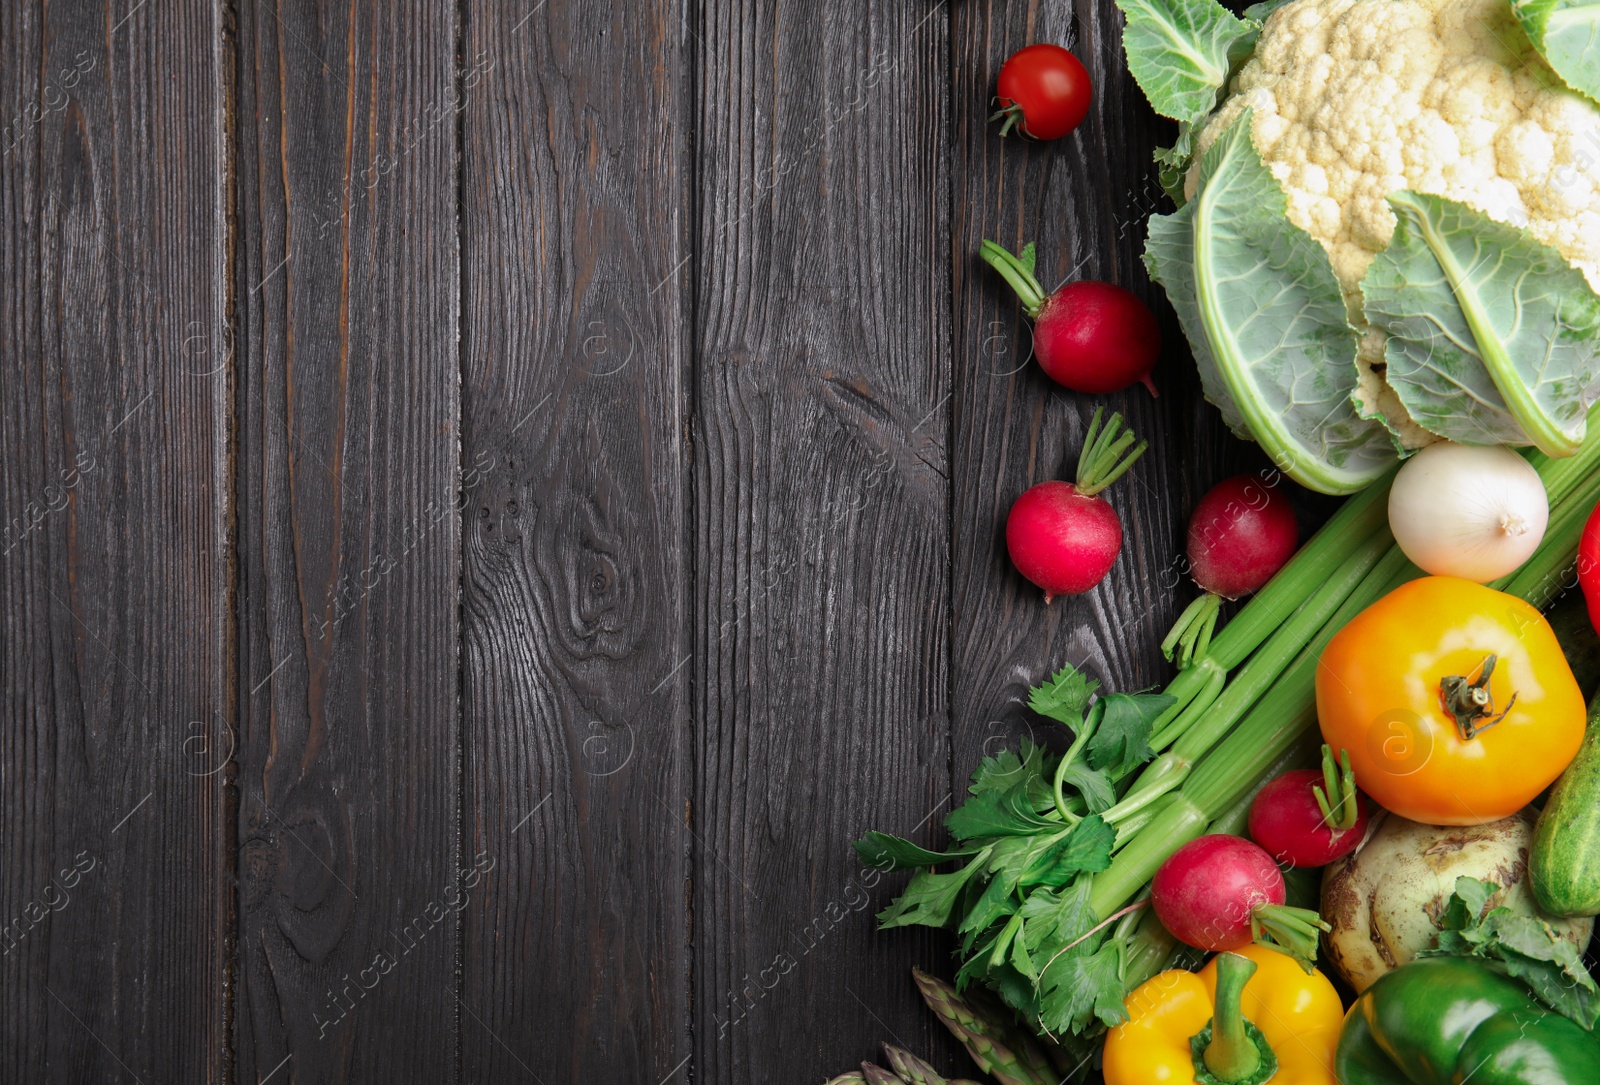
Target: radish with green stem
1241	533
1310	817
1063	536
1222	892
1090	336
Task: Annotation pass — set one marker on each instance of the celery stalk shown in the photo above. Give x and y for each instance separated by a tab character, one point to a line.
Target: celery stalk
1305	576
1286	712
1310	578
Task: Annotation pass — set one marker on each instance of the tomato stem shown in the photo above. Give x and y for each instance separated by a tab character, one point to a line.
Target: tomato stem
1012	112
1470	701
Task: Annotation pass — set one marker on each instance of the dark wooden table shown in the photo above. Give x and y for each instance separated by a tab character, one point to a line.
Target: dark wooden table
498	496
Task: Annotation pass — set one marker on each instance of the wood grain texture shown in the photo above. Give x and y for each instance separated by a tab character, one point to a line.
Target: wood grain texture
498	497
1083	200
821	545
576	585
349	542
113	566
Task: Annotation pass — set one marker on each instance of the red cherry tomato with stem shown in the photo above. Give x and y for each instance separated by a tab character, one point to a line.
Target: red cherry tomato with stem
1044	91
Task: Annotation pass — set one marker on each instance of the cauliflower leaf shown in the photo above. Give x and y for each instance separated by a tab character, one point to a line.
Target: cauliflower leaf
1259	302
1493	337
1181	51
1567	35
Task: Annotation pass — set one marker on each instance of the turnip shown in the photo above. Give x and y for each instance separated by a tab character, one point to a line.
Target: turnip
1383	898
1090	336
1310	817
1063	536
1221	892
1240	534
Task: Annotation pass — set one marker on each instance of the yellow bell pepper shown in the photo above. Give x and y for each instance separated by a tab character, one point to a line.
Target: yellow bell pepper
1270	1019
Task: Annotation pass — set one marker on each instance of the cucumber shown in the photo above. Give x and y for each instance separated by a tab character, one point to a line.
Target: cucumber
1564	865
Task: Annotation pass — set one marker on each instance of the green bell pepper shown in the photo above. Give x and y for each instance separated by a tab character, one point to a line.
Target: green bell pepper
1448	1020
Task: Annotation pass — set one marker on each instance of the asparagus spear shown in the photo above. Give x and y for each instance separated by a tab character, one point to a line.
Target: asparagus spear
1011	1056
908	1070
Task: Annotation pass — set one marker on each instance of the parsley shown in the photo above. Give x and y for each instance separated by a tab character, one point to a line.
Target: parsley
1035	828
1527	947
1064	697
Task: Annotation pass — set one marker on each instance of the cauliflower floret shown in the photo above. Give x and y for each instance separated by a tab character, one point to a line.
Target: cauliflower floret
1355	99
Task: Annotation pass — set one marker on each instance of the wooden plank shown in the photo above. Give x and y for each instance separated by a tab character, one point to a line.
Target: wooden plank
349	542
1083	200
114	574
821	547
577	569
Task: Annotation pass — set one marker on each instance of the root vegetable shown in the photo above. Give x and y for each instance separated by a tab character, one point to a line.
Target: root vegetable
1473	511
1310	817
1241	533
1089	336
1222	892
1382	900
1063	536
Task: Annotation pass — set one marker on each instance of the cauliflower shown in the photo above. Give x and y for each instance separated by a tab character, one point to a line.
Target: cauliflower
1355	99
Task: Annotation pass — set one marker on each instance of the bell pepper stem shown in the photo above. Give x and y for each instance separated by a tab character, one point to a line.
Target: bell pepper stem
1231	1050
1231	1055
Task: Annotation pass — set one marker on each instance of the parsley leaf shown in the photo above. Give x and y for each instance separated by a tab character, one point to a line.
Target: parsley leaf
997	813
1121	742
1006	769
1019	956
1086	849
1527	947
884	852
995	903
928	898
1098	792
1079	987
1054	918
1064	697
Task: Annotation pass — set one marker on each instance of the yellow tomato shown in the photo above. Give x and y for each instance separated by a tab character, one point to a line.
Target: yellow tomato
1402	689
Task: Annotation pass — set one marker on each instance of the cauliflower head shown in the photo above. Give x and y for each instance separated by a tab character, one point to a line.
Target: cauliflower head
1355	99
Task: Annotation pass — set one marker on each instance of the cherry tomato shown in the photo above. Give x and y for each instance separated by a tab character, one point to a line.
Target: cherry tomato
1046	89
1453	700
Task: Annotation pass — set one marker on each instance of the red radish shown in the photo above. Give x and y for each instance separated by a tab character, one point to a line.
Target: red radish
1241	533
1310	817
1063	536
1089	336
1222	892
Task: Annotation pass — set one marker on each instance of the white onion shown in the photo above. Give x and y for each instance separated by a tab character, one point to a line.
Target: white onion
1473	511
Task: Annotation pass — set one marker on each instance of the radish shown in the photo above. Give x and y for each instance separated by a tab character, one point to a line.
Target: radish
1221	892
1063	536
1241	533
1089	336
1310	817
